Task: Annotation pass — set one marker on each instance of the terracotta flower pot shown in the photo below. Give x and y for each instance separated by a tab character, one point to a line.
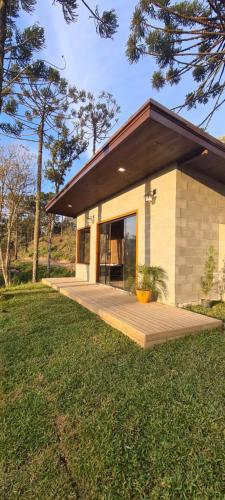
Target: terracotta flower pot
144	296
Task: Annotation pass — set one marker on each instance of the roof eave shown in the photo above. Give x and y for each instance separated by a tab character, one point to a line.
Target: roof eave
141	115
154	110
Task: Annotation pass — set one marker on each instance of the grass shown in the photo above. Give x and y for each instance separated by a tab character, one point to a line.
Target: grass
216	311
87	414
23	273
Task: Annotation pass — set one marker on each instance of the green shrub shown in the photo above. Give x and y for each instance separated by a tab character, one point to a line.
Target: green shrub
209	269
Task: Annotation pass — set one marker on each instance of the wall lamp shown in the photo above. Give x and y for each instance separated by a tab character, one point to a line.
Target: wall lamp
151	196
91	220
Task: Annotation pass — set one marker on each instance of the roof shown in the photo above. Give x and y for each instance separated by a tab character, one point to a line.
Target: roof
152	139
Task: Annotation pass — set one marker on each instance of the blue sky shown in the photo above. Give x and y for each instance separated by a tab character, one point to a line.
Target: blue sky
96	64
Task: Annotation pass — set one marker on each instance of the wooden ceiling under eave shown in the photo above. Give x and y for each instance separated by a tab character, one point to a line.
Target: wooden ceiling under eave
146	144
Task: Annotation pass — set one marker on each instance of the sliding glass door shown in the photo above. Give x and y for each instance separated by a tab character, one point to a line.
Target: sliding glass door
117	252
104	253
129	251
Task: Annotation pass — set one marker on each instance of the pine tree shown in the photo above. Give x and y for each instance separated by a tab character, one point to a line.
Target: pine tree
16	47
41	105
106	23
64	150
98	116
183	37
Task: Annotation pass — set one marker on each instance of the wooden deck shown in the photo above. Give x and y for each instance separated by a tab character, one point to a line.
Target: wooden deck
146	324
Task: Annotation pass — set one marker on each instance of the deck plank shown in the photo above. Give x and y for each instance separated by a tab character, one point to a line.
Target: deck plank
146	324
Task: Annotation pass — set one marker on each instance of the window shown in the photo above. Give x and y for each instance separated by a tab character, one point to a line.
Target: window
84	246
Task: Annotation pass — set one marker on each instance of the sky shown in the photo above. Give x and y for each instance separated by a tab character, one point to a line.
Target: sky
96	64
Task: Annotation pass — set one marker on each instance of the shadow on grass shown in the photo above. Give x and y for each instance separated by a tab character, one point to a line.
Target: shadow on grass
217	310
7	295
216	303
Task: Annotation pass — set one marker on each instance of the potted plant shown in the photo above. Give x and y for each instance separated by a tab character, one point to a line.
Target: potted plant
151	283
207	279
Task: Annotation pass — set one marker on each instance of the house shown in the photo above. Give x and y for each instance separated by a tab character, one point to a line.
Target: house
153	194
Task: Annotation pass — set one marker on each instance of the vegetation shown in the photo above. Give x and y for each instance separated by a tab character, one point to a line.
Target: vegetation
88	414
64	150
208	276
35	101
17	47
63	247
43	102
15	182
152	278
21	272
183	37
217	310
98	116
106	23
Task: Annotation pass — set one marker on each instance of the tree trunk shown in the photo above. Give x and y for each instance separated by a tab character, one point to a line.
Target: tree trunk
8	255
38	199
62	226
3	17
50	232
4	273
16	239
26	242
94	140
5	263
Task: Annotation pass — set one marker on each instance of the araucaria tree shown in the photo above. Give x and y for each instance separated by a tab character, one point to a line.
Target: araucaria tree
16	47
64	149
42	103
183	37
16	182
98	116
33	94
106	23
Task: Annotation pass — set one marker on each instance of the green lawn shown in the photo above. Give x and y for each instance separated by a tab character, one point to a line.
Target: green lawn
216	311
22	272
87	414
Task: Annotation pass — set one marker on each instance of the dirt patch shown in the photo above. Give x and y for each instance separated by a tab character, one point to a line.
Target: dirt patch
60	423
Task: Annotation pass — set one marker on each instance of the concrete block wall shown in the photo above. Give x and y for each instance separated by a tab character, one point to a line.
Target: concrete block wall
200	211
163	226
174	232
155	225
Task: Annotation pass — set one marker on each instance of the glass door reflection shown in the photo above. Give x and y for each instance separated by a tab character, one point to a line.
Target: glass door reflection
117	252
129	252
104	253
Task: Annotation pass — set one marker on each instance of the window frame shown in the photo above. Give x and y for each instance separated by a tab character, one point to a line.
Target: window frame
79	232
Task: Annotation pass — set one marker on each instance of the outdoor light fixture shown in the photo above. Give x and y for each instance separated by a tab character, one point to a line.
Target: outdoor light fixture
91	220
121	169
70	206
150	197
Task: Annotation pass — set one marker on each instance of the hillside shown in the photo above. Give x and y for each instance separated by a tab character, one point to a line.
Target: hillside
63	247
